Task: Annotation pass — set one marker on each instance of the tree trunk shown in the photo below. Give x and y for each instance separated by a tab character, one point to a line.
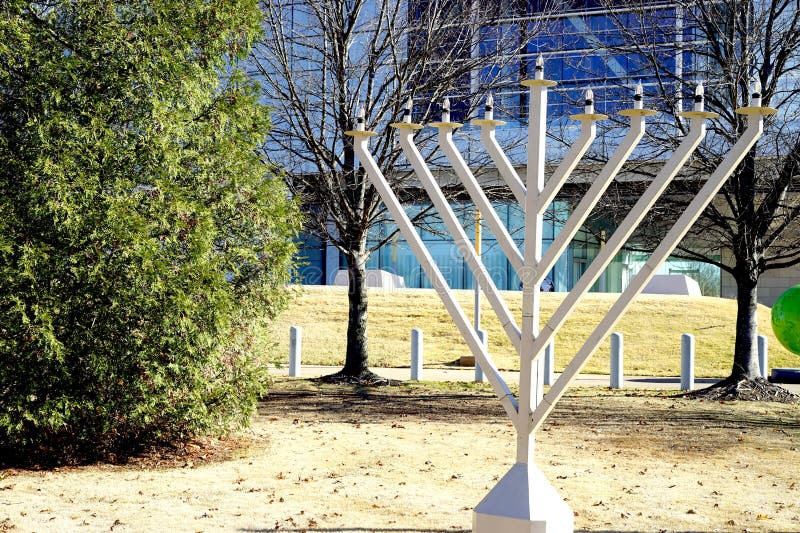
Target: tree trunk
355	363
745	354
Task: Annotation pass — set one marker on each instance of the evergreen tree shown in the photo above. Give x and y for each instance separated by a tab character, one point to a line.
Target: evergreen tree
141	236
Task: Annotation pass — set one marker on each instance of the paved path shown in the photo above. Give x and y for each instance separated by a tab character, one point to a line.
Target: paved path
467	374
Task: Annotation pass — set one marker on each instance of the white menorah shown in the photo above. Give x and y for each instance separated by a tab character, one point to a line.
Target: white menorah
523	500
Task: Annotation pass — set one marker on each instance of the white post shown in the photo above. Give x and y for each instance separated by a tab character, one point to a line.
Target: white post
549	364
483	335
295	350
763	356
687	361
617	357
416	354
477	293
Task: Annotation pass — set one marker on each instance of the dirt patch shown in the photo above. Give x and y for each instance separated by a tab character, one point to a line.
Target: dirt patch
418	458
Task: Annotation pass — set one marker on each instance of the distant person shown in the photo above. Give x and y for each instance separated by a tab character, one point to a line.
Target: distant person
547	285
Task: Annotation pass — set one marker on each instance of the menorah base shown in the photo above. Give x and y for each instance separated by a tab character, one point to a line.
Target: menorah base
523	501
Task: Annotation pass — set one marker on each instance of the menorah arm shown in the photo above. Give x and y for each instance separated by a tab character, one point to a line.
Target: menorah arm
697	131
476	266
678	231
479	198
598	187
360	139
504	166
571	159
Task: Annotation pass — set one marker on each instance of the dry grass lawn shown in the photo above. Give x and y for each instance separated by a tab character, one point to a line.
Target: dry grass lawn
652	330
418	458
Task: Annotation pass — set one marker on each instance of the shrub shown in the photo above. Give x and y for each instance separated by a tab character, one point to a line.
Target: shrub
141	237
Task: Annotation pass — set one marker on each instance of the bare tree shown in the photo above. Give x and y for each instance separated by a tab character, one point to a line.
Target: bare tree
735	48
320	61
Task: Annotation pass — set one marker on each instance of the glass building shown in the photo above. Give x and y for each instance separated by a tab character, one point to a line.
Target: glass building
583	44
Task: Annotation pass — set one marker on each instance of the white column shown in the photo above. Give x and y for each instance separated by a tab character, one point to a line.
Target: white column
763	358
483	335
295	350
416	354
549	364
617	377
687	361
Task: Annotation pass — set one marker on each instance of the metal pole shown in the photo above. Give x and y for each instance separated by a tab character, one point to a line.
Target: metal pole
481	334
549	364
484	337
477	285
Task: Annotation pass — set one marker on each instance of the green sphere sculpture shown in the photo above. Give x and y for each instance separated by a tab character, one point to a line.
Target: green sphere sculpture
786	319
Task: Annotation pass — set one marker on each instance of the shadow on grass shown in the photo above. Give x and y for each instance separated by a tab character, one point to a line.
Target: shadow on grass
600	408
385	405
616	416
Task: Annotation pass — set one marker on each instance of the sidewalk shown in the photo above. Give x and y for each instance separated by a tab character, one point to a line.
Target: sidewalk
468	374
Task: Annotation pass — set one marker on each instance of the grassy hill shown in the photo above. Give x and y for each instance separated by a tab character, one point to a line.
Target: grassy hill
652	328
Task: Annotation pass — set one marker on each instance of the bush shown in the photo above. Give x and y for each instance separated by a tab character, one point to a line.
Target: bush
141	237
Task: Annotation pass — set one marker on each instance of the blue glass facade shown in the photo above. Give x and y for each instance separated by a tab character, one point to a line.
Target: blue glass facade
397	257
582	46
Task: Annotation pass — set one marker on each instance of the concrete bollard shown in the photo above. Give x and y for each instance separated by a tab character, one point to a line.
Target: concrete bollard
484	337
295	350
549	364
687	361
763	356
416	354
617	357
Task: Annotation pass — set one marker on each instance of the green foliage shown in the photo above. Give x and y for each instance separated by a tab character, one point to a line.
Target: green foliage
141	237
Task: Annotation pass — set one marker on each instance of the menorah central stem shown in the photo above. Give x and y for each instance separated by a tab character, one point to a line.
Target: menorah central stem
531	373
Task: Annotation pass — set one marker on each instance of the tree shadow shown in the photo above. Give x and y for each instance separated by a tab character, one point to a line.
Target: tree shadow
382	405
606	410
